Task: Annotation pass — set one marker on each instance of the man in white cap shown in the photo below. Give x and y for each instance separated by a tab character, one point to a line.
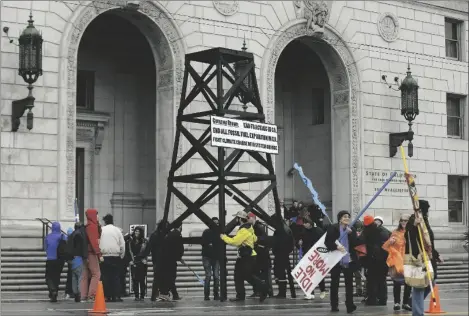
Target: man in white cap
244	240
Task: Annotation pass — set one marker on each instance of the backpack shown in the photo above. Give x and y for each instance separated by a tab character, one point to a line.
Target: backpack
75	244
62	251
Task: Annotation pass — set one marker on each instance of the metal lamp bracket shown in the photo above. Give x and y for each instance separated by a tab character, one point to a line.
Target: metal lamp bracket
18	107
396	140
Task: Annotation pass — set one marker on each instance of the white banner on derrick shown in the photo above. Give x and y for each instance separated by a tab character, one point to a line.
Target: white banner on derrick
246	135
315	265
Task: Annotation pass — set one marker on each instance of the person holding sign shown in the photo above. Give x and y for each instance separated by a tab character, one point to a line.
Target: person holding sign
246	261
308	236
347	264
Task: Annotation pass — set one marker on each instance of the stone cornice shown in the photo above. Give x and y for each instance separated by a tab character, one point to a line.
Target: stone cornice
90	127
458	7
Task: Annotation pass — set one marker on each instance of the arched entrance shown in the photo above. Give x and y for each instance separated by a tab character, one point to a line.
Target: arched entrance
162	85
344	106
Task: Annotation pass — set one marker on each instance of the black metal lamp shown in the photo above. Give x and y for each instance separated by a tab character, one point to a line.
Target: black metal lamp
30	68
409	109
245	94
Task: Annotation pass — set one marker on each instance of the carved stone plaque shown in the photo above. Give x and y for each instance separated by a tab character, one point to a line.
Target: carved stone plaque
226	7
388	26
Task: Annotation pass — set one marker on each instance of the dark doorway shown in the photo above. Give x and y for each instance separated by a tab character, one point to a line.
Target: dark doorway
80	183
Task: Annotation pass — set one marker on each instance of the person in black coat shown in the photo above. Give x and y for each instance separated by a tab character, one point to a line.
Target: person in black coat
316	215
173	250
211	249
263	264
282	244
347	265
308	236
138	265
375	261
154	247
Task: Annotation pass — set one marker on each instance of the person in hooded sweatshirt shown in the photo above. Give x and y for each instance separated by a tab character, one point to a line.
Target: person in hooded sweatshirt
244	240
173	250
54	264
112	247
91	270
348	264
78	247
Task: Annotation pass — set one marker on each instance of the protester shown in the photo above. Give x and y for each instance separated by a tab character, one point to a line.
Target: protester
172	250
211	249
91	270
283	209
263	265
154	247
124	266
245	263
316	215
138	266
77	246
374	237
308	237
54	262
360	289
347	264
282	246
68	284
112	247
293	211
395	247
420	219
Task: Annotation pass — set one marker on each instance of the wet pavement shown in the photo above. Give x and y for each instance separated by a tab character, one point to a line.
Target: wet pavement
453	301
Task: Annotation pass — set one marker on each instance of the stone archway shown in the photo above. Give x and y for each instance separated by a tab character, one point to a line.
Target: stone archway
345	103
168	49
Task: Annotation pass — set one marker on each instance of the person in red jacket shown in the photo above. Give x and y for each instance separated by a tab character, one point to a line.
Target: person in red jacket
91	272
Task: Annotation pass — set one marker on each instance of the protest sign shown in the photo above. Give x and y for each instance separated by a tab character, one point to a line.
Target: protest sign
144	226
315	265
245	135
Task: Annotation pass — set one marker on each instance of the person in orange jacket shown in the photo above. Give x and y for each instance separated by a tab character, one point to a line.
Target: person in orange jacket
395	246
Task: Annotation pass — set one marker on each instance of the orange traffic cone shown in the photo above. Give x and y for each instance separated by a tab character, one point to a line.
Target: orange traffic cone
99	302
435	307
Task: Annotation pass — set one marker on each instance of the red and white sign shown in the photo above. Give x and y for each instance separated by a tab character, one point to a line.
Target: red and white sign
315	265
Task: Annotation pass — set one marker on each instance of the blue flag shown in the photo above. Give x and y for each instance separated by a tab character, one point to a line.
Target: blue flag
310	187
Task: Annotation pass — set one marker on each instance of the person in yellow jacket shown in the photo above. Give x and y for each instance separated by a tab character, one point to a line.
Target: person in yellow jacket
244	240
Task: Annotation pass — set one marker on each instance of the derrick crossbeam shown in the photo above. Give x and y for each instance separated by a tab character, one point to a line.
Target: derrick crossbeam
220	177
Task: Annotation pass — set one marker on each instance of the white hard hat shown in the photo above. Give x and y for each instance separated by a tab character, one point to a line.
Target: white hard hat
379	218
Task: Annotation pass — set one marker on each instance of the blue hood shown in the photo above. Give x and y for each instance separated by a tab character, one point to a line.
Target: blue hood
69	231
52	241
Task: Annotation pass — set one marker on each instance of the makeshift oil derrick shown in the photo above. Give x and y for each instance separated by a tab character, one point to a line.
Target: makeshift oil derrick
237	70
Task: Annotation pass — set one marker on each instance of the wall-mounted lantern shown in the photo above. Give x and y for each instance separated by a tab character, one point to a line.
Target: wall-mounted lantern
409	109
30	68
246	89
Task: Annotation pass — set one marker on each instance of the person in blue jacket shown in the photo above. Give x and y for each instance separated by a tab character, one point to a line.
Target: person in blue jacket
78	247
54	264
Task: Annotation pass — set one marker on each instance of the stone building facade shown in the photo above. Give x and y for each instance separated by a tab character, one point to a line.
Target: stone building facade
104	116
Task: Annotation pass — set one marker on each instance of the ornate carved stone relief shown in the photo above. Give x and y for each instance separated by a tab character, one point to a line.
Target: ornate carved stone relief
164	37
226	7
316	13
388	26
345	89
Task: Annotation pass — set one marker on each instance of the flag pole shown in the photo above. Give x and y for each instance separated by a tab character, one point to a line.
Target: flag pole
413	196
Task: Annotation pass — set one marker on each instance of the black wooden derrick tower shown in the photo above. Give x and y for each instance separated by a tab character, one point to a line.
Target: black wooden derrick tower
237	69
